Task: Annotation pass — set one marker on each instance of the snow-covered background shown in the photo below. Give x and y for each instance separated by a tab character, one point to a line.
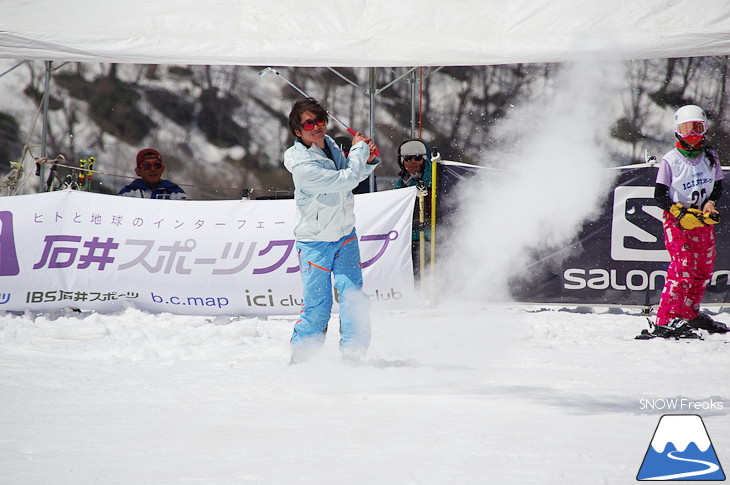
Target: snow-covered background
454	394
223	128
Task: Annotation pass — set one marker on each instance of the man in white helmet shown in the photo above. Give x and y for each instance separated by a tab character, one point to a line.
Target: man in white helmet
414	160
688	186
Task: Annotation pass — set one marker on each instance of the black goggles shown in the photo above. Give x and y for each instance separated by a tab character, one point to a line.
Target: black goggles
417	158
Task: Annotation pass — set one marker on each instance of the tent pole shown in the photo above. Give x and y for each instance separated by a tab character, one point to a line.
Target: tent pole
372	92
44	135
434	188
412	81
13	68
420	102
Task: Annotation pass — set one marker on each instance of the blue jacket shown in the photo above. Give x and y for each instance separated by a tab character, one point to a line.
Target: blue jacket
323	188
166	190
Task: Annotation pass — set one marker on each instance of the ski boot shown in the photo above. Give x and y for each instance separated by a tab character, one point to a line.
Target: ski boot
704	322
677	328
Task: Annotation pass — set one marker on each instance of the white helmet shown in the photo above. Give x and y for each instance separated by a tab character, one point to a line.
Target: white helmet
687	113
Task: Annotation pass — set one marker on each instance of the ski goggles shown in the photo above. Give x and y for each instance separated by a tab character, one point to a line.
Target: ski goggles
150	165
692	128
310	124
416	158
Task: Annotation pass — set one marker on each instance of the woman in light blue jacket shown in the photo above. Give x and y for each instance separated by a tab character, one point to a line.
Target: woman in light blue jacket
325	235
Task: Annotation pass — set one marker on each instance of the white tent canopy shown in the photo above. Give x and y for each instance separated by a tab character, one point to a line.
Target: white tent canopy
360	32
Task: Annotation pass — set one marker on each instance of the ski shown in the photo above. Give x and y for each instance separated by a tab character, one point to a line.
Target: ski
70	182
89	173
52	176
82	174
677	329
647	335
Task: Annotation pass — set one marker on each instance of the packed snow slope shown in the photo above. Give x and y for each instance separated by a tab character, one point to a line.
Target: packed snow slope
462	394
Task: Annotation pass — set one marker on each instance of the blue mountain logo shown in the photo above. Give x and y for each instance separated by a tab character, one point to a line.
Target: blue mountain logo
681	450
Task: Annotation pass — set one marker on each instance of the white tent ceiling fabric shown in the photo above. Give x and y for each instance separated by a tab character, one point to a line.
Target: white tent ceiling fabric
365	33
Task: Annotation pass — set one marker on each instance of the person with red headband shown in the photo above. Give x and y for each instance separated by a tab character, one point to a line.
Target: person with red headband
688	186
326	240
150	184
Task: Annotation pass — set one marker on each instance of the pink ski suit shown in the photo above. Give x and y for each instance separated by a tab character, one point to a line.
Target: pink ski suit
692	252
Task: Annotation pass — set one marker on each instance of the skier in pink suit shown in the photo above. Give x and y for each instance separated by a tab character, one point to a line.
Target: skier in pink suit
688	186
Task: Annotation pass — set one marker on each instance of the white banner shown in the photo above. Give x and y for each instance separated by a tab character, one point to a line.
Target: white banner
93	251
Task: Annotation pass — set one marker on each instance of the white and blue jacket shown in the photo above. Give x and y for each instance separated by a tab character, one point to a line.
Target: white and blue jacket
323	188
165	190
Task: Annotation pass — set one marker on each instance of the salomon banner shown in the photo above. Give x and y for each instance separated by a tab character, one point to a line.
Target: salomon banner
98	252
618	258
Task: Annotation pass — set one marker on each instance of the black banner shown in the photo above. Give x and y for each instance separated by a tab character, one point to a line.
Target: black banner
618	258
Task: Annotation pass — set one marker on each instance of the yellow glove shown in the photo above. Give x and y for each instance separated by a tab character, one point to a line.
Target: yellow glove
687	218
692	218
710	218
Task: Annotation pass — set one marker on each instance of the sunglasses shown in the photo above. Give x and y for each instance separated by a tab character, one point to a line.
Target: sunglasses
417	158
310	124
150	165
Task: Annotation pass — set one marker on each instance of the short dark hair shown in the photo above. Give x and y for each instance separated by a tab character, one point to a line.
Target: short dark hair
302	105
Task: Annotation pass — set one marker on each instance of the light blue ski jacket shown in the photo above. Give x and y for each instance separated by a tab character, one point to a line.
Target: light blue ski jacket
323	188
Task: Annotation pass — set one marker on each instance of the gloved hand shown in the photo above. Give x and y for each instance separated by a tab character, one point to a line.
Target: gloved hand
692	218
711	218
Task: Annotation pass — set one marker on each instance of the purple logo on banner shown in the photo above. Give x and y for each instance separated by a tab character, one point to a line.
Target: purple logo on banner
8	256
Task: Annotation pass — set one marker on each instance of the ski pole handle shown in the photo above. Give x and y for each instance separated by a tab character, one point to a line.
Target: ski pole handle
353	133
267	70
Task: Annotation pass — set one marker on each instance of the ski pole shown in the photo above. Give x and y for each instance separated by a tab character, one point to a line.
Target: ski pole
421	192
267	70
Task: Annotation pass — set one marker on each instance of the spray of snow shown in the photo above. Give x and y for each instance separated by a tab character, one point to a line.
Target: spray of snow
549	177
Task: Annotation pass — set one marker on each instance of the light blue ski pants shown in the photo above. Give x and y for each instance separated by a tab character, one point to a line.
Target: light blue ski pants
320	262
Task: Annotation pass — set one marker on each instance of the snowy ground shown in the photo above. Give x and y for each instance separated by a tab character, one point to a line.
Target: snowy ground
460	395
